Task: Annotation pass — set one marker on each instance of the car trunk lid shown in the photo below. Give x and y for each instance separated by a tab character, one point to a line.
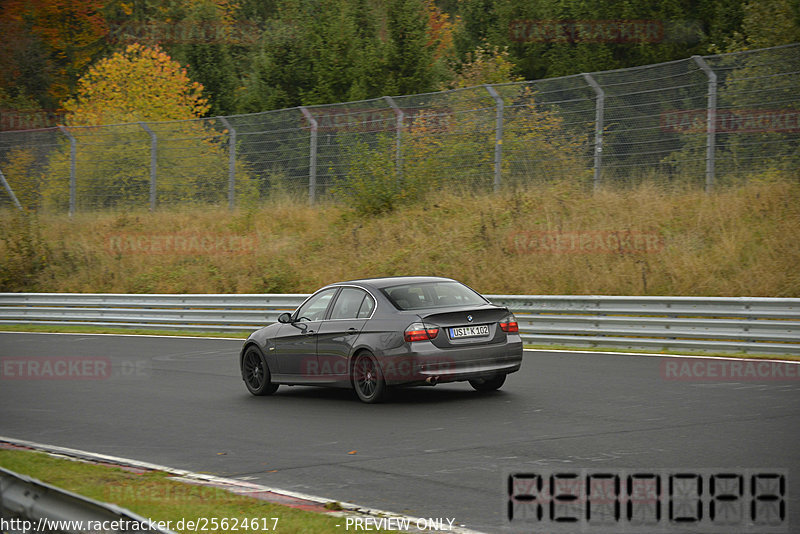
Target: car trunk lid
460	326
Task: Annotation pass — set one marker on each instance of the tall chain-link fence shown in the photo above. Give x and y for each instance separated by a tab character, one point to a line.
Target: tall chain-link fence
704	122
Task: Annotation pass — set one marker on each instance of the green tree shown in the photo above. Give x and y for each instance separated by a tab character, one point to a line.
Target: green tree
409	61
340	50
766	23
279	73
208	54
344	56
485	66
689	27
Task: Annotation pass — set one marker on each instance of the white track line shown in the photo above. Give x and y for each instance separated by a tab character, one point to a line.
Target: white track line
657	355
568	351
239	339
237	486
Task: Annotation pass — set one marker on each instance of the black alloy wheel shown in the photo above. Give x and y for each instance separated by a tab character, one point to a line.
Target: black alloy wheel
255	373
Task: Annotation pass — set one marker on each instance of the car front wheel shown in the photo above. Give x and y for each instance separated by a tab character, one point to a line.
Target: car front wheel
488	384
368	379
255	373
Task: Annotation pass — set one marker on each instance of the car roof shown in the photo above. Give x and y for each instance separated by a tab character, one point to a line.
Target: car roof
389	281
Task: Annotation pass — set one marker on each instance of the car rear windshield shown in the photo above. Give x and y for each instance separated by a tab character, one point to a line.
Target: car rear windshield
432	295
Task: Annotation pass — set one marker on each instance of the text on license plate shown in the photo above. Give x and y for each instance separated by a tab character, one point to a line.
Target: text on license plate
469	331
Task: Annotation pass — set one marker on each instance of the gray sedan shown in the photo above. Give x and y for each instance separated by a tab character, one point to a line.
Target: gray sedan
371	335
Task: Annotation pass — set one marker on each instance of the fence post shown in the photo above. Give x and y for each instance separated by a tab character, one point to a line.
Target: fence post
398	158
153	154
231	163
498	136
72	168
10	191
599	119
711	121
312	163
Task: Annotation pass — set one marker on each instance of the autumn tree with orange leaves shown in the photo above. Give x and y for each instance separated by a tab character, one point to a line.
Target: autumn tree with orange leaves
108	119
47	44
138	84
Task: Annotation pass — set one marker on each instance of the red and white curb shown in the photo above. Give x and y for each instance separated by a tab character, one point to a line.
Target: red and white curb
292	499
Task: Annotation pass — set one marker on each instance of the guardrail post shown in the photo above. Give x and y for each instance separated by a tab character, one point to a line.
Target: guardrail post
153	156
312	157
498	136
231	162
10	191
398	158
599	118
711	121
72	167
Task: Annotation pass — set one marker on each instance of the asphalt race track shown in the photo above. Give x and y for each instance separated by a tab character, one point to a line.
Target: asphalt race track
430	452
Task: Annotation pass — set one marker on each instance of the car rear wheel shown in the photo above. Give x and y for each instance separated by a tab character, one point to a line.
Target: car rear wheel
255	373
488	384
368	379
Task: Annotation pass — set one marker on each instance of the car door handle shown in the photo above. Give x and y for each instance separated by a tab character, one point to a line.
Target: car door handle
308	332
351	331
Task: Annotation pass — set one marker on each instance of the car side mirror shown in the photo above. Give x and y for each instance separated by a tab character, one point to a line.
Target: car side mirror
285	318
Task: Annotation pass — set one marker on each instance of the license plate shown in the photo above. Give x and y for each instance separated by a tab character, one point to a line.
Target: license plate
469	331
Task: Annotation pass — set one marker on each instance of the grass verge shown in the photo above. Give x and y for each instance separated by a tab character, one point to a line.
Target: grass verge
66	329
154	496
789	357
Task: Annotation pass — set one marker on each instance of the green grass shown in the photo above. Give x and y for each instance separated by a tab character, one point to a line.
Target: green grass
154	496
67	329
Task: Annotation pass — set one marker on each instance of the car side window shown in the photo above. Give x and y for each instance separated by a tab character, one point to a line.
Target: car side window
314	308
408	297
367	306
348	303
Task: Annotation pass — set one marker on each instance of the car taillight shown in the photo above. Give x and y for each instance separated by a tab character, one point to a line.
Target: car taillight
420	332
509	324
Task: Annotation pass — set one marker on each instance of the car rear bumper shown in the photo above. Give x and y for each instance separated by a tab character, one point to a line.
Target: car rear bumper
426	364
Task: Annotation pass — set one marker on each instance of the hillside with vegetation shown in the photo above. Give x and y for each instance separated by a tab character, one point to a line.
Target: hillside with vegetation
546	231
560	239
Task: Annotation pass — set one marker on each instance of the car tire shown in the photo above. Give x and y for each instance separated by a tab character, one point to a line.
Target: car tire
255	373
367	378
488	384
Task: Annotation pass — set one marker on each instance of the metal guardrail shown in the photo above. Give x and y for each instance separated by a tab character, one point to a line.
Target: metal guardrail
727	324
29	505
735	324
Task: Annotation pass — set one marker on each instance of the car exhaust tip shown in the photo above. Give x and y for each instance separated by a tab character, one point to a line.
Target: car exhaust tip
432	380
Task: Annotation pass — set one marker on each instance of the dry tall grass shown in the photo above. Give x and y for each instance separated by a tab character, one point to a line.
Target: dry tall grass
556	239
